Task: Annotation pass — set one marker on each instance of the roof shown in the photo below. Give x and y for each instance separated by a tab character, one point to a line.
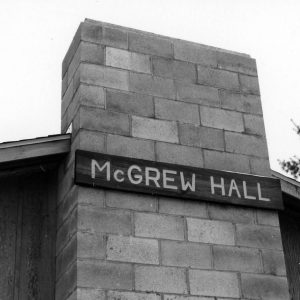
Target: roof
52	145
288	185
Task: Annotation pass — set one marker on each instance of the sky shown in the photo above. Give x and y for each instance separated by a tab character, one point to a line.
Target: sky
35	35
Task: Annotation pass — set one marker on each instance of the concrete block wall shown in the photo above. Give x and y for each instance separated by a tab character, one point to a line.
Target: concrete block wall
136	94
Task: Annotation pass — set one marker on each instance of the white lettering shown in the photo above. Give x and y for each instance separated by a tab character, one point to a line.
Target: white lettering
116	175
259	194
187	185
246	196
95	164
169	179
135	178
152	178
213	185
233	186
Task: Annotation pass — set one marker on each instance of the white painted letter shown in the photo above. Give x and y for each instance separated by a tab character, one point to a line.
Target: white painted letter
259	194
119	179
213	185
233	186
95	164
136	179
246	196
153	178
187	185
169	179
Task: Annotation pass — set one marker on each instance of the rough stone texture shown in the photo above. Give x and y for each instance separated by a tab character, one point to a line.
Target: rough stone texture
208	231
182	208
160	279
140	95
264	287
226	161
185	255
158	130
176	111
127	60
203	137
178	154
131	249
237	259
213	283
177	70
222	119
130	103
130	147
139	202
159	226
218	78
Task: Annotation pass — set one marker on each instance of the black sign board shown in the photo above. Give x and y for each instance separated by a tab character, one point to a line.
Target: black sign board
138	175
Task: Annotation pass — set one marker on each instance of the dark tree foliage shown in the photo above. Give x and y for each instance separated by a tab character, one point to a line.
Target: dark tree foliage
292	166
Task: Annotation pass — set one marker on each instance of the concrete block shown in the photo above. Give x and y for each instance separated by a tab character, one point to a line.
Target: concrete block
117	295
131	249
67	98
160	279
66	284
86	52
264	287
90	141
198	94
159	226
240	102
92	95
254	125
226	161
91	32
90	245
66	231
260	166
273	262
103	120
66	257
156	86
237	63
237	259
185	255
89	294
139	202
222	119
127	60
218	78
267	217
130	103
258	236
249	84
204	137
104	275
181	297
150	44
195	53
181	207
115	38
64	84
209	231
231	213
175	69
246	144
104	220
155	129
176	111
213	283
130	147
178	154
103	76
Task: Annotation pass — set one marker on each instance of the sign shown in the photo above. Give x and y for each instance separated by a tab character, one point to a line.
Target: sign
143	176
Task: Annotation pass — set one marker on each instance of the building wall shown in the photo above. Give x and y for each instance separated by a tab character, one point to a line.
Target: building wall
136	94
